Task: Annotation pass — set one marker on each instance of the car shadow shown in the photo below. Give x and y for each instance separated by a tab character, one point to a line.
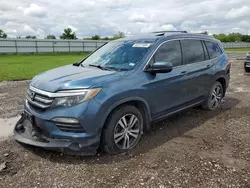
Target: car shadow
161	132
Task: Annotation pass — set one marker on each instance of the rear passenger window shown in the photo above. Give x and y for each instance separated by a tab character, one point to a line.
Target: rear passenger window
169	52
193	50
213	49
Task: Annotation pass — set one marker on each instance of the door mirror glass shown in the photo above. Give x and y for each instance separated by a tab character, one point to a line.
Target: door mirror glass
160	67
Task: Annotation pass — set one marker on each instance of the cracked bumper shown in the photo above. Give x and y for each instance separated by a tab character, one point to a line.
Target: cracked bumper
28	133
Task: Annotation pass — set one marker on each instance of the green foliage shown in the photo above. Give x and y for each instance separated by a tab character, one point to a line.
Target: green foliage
118	35
50	37
232	37
106	38
26	66
30	37
68	34
2	34
96	37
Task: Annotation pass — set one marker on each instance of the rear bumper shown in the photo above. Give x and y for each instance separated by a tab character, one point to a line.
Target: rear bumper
27	133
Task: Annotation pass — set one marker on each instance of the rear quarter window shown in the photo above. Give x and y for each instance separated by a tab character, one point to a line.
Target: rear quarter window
213	49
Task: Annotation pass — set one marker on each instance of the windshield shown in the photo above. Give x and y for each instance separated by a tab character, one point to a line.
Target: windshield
118	55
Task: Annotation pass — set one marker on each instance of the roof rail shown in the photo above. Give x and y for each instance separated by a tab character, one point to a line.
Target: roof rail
162	33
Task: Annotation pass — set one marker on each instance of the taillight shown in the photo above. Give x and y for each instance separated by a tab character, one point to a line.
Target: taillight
230	64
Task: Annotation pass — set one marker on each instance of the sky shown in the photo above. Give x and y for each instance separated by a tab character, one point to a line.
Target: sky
107	17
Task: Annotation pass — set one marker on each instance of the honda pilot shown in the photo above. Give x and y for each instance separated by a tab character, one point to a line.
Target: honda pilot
110	98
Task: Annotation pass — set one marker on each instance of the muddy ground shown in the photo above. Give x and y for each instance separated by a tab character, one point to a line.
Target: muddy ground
195	148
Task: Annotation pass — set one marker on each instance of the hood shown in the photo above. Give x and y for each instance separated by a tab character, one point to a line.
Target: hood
72	77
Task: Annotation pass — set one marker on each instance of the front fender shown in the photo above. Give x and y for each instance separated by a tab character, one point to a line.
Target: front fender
113	103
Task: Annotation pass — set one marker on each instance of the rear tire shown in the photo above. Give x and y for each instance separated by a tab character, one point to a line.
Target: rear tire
215	97
122	130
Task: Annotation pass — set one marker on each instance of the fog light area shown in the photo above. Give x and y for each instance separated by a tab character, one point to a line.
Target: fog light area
65	120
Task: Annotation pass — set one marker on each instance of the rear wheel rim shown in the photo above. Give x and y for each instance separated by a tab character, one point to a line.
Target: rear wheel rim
216	97
127	131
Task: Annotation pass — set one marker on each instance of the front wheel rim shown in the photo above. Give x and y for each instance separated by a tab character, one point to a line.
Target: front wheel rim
127	131
216	97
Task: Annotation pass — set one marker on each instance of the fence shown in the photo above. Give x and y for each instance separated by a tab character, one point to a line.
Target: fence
8	46
47	46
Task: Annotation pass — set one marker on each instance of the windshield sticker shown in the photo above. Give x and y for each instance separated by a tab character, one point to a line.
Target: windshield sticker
131	64
141	45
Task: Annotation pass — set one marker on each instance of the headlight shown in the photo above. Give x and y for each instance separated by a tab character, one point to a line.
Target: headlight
73	97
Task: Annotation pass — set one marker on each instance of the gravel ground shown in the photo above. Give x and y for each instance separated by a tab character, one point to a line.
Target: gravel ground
195	148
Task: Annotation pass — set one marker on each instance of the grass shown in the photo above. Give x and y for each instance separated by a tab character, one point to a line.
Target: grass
26	66
237	49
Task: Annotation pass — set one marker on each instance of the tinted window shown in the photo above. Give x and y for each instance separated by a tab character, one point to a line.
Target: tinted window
193	51
213	49
169	52
119	55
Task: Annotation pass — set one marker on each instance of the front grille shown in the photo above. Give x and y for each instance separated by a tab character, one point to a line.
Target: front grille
38	100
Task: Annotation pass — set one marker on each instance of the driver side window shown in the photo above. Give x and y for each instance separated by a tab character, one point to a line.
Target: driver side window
168	52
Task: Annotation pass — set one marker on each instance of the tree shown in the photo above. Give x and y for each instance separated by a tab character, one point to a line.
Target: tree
234	37
204	32
50	37
106	38
68	34
96	37
2	34
118	35
222	37
30	37
245	38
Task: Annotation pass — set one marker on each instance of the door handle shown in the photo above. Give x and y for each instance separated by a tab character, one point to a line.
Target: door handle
209	65
183	73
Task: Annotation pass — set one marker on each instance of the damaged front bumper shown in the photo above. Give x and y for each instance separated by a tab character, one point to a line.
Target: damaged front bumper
27	132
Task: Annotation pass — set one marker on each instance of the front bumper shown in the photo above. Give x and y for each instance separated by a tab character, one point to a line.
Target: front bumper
28	133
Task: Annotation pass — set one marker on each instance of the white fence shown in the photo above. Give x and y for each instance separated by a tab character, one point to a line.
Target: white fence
9	46
47	46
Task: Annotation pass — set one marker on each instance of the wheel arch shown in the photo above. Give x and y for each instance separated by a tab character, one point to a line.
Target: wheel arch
223	82
139	103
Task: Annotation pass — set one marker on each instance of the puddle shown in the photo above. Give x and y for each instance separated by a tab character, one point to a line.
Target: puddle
6	126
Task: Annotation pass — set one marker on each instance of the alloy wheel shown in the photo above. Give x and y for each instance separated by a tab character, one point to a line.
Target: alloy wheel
127	131
216	97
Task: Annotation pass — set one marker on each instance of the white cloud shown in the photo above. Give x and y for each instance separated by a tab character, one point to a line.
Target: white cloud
28	29
74	29
244	24
34	10
137	18
237	13
107	17
168	27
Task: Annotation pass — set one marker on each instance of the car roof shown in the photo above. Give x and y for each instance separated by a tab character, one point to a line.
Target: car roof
167	35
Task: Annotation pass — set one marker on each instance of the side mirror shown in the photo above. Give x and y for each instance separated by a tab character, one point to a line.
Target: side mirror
160	67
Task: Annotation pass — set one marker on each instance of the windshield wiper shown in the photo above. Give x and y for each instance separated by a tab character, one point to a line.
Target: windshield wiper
100	67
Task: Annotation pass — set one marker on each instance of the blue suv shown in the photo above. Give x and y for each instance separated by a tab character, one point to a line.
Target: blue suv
110	98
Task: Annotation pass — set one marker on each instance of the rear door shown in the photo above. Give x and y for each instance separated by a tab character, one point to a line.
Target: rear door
199	72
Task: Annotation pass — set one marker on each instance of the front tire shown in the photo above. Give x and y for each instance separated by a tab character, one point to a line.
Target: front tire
247	69
215	97
122	130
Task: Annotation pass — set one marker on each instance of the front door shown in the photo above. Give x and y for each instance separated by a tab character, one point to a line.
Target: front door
167	90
